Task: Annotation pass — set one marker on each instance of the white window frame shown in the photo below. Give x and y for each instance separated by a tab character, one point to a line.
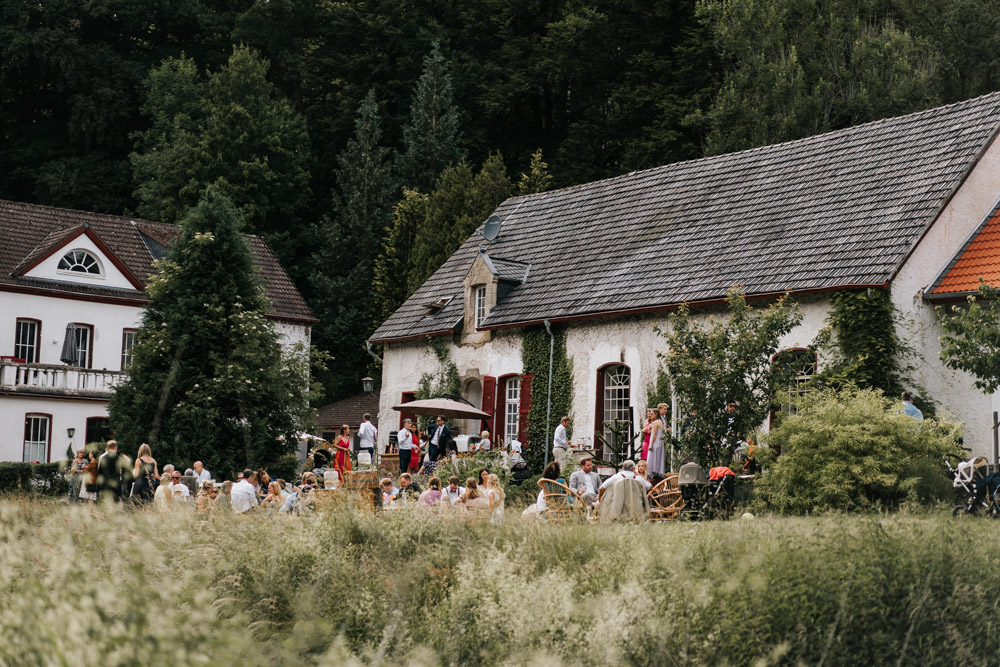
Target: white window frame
617	394
23	342
480	306
77	264
128	343
84	343
799	385
37	431
512	409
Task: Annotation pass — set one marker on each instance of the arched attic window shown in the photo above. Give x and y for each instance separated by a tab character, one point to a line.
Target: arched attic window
80	261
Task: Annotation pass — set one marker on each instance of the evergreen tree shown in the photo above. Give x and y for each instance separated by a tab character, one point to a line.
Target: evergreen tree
431	140
394	264
209	380
784	82
237	136
538	178
459	204
350	243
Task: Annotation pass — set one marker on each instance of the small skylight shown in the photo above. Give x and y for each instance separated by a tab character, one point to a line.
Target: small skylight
434	308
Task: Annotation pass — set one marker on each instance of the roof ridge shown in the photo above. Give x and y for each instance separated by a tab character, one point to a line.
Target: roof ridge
766	147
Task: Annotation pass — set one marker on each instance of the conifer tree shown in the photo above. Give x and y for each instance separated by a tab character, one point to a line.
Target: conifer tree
209	380
459	204
238	136
350	243
537	178
431	140
395	263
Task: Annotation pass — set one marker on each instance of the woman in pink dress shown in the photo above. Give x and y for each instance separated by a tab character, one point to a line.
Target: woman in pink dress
651	416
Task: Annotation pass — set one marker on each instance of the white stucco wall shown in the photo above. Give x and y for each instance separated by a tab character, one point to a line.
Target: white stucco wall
952	390
108	321
293	334
589	345
65	414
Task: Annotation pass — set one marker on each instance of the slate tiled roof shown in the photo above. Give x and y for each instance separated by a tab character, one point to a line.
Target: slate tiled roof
980	258
510	269
834	210
349	411
29	231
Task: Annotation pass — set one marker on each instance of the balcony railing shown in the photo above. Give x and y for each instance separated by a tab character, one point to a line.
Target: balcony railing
58	380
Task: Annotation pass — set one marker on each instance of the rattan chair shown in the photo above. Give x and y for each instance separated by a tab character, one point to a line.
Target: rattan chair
665	500
557	502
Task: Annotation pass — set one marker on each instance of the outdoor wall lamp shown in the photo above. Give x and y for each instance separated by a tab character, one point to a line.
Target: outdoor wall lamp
367	385
70	431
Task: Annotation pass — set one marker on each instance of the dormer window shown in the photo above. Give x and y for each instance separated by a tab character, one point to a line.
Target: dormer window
80	261
480	305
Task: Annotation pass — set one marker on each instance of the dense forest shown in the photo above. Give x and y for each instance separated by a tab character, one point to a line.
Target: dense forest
366	140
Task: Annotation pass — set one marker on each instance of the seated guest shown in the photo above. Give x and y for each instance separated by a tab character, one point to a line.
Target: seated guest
407	489
495	494
300	501
473	500
585	482
389	492
642	470
273	499
432	496
206	496
244	495
164	497
200	472
484	442
627	472
178	488
222	500
283	485
454	492
262	483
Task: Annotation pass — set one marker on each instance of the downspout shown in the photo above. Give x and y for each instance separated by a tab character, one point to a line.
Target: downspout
373	355
548	400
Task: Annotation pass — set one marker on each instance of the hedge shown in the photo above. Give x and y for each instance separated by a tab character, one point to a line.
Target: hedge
47	479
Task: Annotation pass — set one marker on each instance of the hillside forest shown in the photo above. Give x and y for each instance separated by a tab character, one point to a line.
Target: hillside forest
366	140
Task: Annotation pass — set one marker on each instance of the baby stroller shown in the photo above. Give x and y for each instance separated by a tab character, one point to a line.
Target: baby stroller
706	498
978	489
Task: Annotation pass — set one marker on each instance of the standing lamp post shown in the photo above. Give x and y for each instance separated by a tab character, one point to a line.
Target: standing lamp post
368	386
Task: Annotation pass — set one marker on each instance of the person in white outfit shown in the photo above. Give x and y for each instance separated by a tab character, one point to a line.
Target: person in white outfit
560	446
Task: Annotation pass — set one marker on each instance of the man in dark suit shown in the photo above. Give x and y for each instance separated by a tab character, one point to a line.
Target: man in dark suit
109	477
438	438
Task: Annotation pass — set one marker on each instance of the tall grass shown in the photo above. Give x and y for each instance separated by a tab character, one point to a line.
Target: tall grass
110	587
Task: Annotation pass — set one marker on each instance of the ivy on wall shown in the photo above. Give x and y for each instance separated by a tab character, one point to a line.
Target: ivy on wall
656	393
535	359
863	348
445	380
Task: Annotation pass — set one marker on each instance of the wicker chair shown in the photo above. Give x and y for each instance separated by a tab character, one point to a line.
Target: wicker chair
665	500
557	501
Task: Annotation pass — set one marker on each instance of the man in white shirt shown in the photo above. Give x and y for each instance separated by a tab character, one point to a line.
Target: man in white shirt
201	474
559	444
585	482
367	435
404	443
243	495
178	489
627	472
453	491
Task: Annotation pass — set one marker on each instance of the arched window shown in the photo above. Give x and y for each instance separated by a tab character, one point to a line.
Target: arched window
804	362
614	395
80	261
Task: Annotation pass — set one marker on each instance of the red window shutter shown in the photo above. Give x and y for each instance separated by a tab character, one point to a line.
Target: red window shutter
500	412
406	398
490	401
522	426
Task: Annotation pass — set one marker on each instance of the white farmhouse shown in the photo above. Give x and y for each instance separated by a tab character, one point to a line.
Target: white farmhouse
907	203
71	297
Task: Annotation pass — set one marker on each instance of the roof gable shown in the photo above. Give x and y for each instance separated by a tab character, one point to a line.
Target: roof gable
832	211
979	258
31	234
44	261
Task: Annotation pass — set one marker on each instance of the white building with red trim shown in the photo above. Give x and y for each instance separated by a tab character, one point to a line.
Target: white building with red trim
891	204
71	298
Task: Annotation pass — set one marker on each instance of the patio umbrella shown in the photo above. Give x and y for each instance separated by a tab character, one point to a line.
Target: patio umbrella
69	346
443	406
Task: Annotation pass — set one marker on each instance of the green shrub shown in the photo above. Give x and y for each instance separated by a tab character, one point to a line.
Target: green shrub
286	467
854	449
48	479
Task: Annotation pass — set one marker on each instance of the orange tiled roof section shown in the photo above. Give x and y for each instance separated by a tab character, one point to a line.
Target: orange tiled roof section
980	258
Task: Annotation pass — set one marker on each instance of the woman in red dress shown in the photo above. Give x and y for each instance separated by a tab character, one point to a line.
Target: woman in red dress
342	460
416	455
